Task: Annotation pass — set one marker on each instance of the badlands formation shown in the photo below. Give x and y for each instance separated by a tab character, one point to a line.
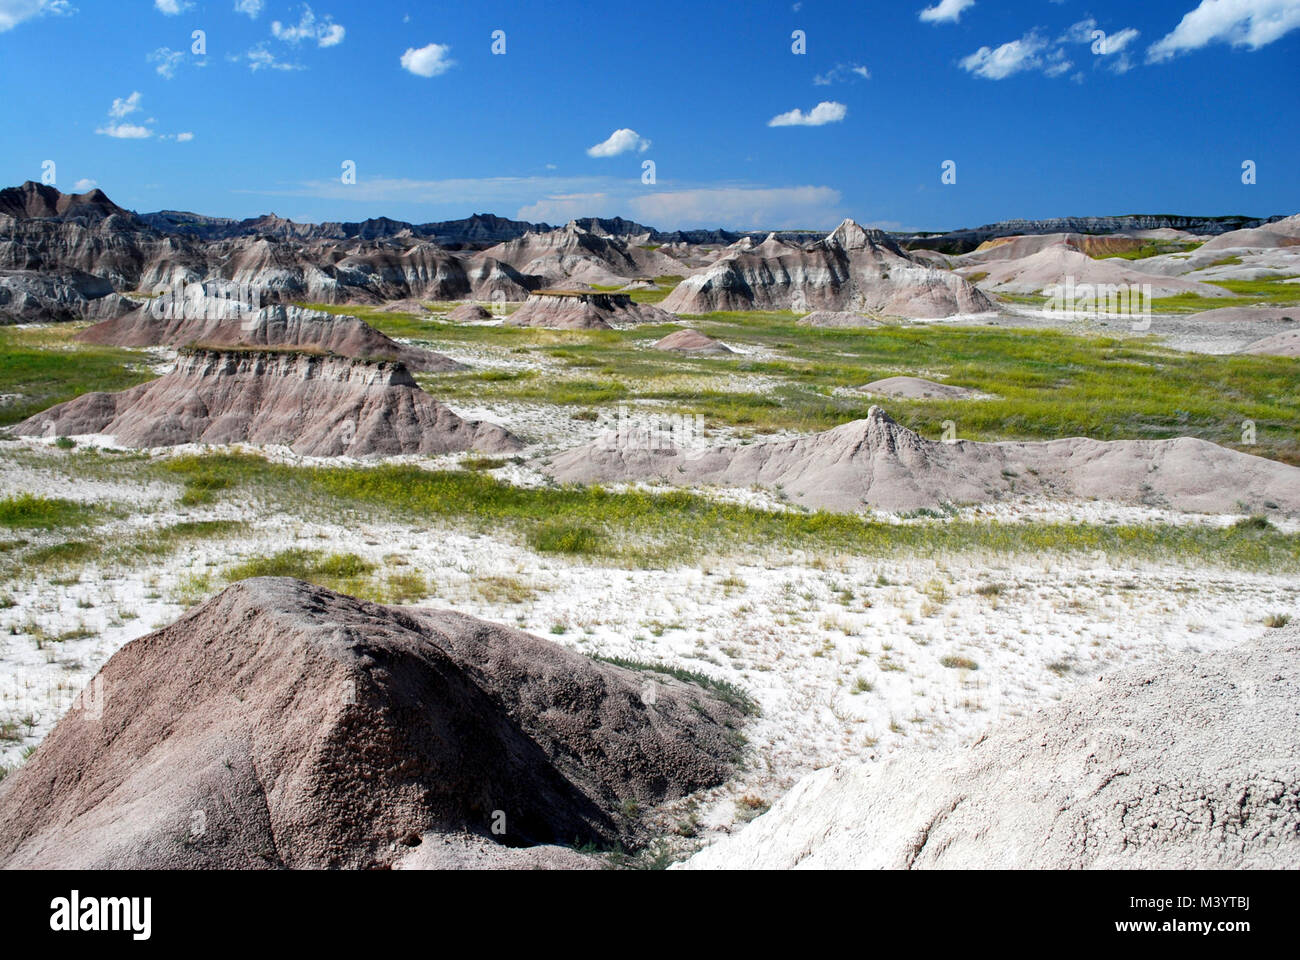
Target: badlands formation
851	269
318	405
209	321
814	615
876	463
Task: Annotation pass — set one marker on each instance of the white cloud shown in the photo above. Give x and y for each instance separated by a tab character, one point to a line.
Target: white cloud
126	131
840	73
1241	23
14	12
325	32
428	61
251	7
1008	59
184	137
168	60
260	58
84	184
620	141
828	111
172	7
123	107
1108	45
946	11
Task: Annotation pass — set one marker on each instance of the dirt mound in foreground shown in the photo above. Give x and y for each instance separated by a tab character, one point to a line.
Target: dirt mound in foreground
1184	764
283	725
878	463
212	321
318	405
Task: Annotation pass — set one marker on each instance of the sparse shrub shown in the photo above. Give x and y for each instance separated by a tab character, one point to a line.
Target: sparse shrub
1276	621
959	663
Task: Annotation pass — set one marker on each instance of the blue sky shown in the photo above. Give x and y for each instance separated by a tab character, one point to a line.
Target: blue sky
1040	116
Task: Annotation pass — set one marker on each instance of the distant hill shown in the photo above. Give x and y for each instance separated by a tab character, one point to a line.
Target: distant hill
37	201
964	241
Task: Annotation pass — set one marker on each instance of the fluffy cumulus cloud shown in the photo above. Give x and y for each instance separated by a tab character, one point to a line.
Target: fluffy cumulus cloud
428	61
84	184
172	7
14	12
252	8
1242	23
324	31
1015	56
828	111
118	127
620	141
946	11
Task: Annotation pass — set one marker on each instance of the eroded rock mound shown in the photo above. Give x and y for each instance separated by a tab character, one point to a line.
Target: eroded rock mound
577	310
691	341
1188	763
879	464
214	322
30	297
470	313
283	725
915	388
318	405
852	269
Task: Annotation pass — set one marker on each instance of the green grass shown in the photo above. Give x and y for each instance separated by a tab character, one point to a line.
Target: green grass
1267	292
29	512
44	366
314	566
1153	249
